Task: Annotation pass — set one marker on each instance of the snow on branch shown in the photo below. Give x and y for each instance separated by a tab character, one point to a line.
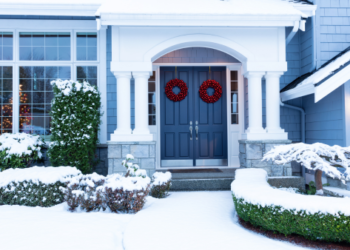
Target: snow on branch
316	156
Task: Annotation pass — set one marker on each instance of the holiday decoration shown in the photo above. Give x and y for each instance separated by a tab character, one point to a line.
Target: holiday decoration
169	90
210	84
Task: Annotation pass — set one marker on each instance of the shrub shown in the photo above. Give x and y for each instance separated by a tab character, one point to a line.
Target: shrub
19	150
114	192
37	186
314	217
323	226
75	122
161	183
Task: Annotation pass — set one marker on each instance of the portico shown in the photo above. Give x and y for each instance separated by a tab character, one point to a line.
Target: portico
255	38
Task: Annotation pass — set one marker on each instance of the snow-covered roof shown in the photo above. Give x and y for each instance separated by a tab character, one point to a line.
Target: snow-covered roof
209	7
229	7
322	81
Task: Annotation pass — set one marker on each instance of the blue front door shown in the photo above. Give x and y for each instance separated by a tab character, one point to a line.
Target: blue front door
206	145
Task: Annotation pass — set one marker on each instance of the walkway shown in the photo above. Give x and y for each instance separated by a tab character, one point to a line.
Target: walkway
191	221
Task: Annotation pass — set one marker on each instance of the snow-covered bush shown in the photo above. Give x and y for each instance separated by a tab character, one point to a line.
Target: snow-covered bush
115	193
19	150
133	170
75	122
314	217
318	157
161	183
36	186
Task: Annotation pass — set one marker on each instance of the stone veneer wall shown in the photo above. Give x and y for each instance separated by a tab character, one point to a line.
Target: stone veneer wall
144	153
101	159
251	154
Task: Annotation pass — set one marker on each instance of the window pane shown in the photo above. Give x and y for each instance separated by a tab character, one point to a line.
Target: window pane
234	97
36	95
87	73
151	87
234	119
234	107
234	76
44	46
86	46
6	99
152	109
234	86
152	120
152	98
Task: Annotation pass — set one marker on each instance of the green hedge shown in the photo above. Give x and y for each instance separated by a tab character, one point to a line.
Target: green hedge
32	194
317	226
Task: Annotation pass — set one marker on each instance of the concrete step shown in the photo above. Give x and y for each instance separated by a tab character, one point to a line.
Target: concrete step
201	184
212	184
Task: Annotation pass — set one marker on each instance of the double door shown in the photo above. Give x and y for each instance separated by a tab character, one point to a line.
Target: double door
193	133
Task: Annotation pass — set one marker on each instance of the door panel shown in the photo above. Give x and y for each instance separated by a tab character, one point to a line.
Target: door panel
208	147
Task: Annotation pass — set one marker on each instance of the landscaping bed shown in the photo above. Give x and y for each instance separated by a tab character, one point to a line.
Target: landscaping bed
313	217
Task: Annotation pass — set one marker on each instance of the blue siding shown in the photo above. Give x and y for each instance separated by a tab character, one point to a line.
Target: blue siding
334	28
307	48
325	119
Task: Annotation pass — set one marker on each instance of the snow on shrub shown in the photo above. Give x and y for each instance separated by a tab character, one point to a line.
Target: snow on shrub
75	122
133	170
318	157
115	193
36	186
313	217
19	150
161	183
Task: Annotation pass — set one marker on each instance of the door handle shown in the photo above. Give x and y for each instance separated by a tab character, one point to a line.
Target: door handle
196	128
191	130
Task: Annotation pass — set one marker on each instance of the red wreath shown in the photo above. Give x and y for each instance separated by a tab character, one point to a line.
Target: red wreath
169	90
210	84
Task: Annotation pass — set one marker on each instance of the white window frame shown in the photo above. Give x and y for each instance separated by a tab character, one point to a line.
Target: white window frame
75	26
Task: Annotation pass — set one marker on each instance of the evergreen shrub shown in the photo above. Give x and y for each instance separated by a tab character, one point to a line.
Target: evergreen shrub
19	150
161	183
75	123
28	193
317	226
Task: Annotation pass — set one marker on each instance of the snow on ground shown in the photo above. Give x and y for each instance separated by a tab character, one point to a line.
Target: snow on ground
194	220
184	220
36	228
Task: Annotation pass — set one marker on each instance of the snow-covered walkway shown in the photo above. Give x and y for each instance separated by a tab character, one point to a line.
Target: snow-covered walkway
193	220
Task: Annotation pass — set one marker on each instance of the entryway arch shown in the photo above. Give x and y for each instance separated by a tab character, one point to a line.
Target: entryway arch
199	40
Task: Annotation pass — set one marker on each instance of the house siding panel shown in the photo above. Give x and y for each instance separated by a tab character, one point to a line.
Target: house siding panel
325	119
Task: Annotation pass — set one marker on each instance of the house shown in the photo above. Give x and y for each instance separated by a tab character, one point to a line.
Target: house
132	49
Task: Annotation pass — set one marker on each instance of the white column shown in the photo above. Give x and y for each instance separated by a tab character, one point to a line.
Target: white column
273	125
123	106
255	105
141	106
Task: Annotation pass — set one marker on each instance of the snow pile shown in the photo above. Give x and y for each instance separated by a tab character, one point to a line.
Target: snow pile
20	144
67	86
251	185
317	156
45	175
117	181
289	190
160	178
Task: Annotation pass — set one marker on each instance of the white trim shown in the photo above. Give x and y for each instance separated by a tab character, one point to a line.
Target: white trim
301	90
48	9
332	83
102	82
229	67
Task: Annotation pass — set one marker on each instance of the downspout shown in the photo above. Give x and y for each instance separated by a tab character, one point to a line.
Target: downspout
302	121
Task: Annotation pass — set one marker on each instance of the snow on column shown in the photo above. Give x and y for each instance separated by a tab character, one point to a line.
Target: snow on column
255	102
273	125
141	104
123	103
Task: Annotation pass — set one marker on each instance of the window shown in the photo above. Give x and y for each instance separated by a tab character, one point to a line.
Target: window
87	73
234	97
44	46
152	99
35	95
86	46
6	46
6	100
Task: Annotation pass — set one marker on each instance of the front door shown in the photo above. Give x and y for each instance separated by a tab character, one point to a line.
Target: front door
206	144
